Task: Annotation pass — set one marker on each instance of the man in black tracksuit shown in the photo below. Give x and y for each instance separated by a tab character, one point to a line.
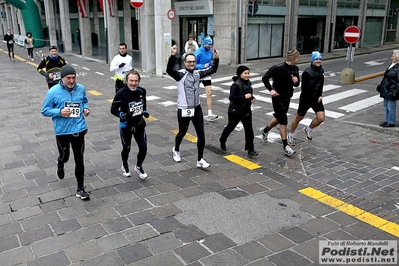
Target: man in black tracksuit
285	76
9	38
130	105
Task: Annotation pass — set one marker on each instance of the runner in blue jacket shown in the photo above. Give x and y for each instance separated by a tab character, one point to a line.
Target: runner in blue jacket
204	58
66	104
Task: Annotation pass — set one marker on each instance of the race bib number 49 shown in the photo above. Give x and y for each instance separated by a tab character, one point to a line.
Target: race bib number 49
136	108
74	107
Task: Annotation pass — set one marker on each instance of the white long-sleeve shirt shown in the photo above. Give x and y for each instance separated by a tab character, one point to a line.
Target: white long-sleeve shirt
120	72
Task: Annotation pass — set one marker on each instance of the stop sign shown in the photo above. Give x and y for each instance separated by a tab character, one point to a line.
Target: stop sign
352	34
136	3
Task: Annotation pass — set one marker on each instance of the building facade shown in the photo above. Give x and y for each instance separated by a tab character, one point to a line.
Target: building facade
242	30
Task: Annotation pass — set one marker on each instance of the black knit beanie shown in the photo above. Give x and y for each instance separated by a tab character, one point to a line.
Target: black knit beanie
241	69
67	70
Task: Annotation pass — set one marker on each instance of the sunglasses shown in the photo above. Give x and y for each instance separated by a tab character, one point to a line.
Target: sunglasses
190	62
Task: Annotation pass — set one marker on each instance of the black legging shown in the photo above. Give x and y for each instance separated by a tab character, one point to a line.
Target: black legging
30	52
246	120
198	122
77	141
141	140
10	48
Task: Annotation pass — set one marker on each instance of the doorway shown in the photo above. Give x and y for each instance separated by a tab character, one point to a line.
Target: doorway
197	26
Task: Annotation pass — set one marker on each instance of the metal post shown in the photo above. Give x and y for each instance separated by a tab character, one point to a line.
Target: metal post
239	25
105	4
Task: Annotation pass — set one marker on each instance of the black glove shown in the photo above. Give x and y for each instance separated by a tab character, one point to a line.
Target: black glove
122	65
146	114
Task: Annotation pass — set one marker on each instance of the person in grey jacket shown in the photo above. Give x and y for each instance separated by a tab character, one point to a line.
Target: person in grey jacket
188	101
389	90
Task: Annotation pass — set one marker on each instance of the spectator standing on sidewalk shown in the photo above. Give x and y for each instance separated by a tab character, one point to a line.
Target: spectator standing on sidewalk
29	43
241	98
311	97
188	101
285	76
79	40
389	90
50	67
66	103
204	57
191	45
130	105
9	39
121	64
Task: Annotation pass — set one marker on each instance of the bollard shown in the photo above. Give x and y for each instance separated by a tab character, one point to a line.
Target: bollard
347	76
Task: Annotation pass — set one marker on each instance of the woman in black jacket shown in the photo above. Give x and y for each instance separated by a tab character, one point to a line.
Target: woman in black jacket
389	90
241	98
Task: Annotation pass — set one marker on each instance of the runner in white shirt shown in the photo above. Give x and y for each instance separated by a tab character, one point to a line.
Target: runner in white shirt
121	64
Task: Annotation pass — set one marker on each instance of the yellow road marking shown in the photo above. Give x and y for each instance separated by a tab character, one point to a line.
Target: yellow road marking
241	161
188	136
96	93
362	215
151	118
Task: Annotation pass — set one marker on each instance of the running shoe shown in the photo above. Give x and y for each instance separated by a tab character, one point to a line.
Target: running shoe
60	172
176	155
211	117
290	140
125	171
264	134
81	193
288	151
252	153
140	171
202	163
308	134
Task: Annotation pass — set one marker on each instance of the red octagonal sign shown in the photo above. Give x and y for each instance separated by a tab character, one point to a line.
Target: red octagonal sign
352	34
137	3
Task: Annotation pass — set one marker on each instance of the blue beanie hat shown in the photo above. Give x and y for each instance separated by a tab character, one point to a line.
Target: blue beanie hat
315	55
207	40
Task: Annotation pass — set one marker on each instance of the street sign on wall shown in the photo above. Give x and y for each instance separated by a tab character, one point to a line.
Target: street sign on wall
352	34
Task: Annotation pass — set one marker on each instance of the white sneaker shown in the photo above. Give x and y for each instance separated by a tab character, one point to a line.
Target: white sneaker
308	134
202	163
290	139
32	59
211	117
176	155
288	151
140	171
125	171
264	135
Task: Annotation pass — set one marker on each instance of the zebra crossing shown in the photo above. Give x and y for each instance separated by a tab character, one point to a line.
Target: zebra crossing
352	99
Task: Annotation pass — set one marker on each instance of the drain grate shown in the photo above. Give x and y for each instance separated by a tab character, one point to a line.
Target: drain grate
215	149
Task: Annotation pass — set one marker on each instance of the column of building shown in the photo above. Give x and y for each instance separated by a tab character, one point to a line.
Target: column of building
65	25
50	21
163	35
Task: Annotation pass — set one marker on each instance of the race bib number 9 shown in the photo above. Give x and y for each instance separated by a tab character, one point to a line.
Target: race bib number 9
56	75
74	107
187	112
136	108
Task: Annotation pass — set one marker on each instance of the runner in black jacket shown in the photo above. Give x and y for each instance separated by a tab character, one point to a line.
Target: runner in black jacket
285	76
50	67
311	97
130	105
9	38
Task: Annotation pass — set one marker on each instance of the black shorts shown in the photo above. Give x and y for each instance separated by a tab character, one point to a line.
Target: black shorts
280	107
305	104
207	82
